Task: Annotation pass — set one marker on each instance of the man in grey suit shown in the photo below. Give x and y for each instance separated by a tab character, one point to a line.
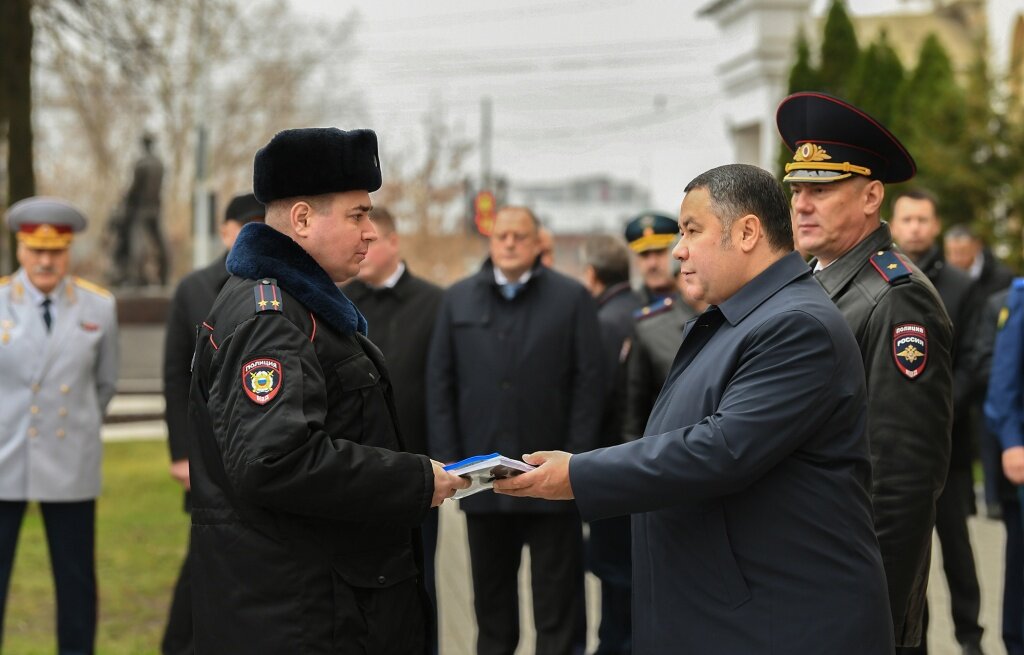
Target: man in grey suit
58	351
749	489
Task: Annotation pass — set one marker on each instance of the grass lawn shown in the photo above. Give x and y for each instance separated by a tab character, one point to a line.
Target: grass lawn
140	541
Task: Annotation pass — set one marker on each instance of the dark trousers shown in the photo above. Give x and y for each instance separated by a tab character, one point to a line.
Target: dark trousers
1013	580
495	549
178	633
609	557
429	532
951	511
71	537
957	562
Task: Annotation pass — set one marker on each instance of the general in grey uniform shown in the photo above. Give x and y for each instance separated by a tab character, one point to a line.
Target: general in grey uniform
58	352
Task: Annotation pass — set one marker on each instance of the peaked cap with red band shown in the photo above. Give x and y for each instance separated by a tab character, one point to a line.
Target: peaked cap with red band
45	223
832	140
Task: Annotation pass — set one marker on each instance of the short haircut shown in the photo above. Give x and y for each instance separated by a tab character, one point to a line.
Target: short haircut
383	220
609	257
527	210
740	189
961	231
919	194
277	209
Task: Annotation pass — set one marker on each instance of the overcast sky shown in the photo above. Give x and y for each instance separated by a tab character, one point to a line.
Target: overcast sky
578	86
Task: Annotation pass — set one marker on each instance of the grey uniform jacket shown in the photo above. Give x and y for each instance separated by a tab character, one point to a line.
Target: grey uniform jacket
910	413
56	387
654	347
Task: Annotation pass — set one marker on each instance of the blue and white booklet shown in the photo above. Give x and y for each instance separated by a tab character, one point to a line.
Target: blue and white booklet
483	470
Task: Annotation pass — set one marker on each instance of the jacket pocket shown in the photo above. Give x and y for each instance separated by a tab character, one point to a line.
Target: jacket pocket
358	408
378	607
732	590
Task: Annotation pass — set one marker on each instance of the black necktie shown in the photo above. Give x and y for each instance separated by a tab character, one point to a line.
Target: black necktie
47	317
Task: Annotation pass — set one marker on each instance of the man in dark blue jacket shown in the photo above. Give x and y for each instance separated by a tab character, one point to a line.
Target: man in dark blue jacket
752	527
515	365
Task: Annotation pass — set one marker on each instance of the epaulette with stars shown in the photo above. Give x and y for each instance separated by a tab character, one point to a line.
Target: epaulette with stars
654	309
891	267
268	296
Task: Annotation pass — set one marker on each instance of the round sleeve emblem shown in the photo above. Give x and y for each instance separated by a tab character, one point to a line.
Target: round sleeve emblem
262	379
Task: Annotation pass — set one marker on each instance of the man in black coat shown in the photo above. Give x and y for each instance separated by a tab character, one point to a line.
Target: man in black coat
606	276
516	365
304	507
915	229
190	304
966	251
400	309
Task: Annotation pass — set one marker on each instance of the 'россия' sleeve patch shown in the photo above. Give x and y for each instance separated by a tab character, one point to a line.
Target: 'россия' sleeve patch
910	349
262	379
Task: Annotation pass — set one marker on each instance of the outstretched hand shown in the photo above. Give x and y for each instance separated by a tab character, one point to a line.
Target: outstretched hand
550	480
445	484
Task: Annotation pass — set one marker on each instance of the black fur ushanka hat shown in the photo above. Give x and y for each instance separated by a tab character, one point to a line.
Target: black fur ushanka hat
312	161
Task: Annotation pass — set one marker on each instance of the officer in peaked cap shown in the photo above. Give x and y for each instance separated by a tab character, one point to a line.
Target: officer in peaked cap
842	158
650	235
305	509
59	355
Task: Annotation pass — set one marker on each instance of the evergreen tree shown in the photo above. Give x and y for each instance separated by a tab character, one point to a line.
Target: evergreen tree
802	77
878	80
933	126
839	51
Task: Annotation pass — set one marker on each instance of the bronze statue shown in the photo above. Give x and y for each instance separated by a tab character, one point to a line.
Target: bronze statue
138	217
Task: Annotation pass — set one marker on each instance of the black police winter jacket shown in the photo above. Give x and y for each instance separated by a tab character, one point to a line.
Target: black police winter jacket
303	507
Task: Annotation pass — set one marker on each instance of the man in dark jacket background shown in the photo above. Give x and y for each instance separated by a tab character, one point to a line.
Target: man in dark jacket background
606	276
966	251
515	365
915	229
190	304
304	508
400	309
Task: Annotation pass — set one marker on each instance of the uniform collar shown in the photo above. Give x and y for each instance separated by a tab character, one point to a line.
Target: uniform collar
839	273
35	297
763	287
260	251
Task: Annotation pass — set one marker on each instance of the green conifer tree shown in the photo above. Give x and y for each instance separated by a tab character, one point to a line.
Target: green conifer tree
802	77
839	51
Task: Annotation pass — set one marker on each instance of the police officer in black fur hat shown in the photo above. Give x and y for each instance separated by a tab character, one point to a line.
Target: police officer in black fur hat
842	159
305	510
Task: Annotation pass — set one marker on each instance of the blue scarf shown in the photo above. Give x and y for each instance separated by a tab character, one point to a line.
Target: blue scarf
262	252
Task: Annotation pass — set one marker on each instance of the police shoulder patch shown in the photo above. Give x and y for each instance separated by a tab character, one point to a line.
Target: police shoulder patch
267	296
262	379
910	349
891	267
